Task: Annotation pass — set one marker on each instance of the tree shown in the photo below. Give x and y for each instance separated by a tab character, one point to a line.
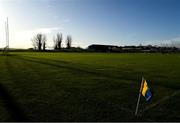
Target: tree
58	41
34	44
68	42
44	40
55	43
38	41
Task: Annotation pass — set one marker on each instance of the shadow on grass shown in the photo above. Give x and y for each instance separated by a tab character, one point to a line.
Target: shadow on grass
125	74
12	107
7	54
81	68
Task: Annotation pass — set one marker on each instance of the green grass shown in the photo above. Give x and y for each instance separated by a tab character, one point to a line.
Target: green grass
87	86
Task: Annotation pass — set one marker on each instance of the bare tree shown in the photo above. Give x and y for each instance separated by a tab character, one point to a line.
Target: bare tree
38	41
34	44
55	43
68	42
44	42
58	41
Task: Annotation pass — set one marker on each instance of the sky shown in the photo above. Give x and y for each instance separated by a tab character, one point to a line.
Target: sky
113	22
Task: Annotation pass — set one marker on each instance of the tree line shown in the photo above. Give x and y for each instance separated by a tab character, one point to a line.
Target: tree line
39	41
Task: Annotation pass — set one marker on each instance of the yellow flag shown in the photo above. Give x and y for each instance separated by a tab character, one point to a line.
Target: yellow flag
145	88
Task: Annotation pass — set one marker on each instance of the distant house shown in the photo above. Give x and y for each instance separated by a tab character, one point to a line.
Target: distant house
102	48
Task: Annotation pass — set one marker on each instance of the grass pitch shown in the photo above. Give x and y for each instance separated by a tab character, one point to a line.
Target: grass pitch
88	87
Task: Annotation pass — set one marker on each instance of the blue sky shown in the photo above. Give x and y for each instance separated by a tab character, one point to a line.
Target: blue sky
117	22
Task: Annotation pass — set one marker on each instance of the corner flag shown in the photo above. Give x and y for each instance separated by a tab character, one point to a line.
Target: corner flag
146	92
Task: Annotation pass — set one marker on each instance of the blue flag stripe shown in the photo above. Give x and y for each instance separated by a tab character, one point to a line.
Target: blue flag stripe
148	95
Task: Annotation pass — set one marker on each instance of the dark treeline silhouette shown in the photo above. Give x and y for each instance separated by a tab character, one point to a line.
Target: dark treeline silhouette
110	49
131	49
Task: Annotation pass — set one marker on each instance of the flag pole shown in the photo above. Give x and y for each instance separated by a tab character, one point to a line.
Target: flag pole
137	106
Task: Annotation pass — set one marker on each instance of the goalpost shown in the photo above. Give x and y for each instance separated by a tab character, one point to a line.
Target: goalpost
6	48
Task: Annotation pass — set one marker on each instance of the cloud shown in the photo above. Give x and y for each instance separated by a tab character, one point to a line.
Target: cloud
66	20
47	30
174	42
41	30
23	38
176	39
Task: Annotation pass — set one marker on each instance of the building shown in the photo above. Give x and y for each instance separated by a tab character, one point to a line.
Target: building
102	48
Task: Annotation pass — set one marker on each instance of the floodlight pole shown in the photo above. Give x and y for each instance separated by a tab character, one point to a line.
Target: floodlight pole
137	106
